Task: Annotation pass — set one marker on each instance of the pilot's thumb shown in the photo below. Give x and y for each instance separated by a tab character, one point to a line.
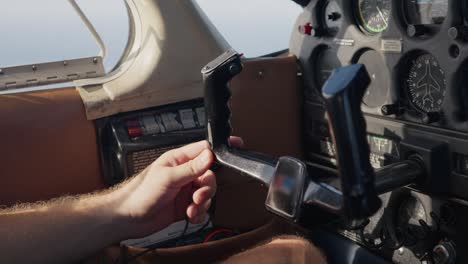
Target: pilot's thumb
191	170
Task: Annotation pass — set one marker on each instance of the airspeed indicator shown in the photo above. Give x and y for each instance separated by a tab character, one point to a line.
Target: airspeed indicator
374	15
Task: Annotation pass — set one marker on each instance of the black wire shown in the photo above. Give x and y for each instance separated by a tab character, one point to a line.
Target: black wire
182	235
149	249
205	225
185	229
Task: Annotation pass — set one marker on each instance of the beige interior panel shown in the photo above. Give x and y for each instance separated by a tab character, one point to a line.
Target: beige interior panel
155	71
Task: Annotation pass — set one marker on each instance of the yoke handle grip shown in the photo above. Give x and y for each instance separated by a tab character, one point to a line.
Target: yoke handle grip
216	76
343	94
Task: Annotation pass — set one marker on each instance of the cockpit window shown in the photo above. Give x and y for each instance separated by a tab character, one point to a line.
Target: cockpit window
50	30
254	27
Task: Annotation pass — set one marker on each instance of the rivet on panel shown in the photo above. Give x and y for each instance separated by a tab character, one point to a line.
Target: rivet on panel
261	74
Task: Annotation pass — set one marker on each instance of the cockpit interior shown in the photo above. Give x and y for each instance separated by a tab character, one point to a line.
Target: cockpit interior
356	135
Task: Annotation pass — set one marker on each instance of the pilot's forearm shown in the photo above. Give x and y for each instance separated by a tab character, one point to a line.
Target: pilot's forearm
177	185
60	231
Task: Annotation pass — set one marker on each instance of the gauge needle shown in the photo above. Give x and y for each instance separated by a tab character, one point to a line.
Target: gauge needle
382	16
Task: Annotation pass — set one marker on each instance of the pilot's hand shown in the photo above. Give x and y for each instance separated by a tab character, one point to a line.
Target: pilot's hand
177	185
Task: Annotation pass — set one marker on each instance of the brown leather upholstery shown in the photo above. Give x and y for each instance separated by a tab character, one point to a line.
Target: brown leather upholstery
48	148
266	101
201	253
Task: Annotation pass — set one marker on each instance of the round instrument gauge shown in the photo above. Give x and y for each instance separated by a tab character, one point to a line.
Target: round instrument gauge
426	12
325	63
377	92
426	84
373	15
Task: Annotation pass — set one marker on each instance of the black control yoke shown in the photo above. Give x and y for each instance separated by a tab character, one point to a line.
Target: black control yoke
289	186
216	77
343	94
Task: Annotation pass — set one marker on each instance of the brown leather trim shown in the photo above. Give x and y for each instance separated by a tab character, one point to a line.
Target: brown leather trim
48	148
201	253
266	106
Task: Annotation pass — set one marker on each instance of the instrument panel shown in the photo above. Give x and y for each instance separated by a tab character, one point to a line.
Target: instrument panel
416	53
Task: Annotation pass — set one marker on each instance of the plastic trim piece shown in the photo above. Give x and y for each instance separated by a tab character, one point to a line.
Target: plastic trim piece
150	73
90	27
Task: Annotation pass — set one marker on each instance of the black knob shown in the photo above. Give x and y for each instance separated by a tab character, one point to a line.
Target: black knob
392	109
444	253
416	30
458	33
334	16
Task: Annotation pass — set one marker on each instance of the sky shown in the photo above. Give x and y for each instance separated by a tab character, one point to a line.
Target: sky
254	27
50	30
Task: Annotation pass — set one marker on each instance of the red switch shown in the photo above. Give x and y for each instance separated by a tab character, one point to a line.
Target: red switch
307	29
134	132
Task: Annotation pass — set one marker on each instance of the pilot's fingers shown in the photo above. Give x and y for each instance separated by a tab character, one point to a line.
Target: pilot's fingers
183	154
236	142
206	187
197	213
191	170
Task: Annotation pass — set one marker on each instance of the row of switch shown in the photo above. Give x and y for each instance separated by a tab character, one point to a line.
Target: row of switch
166	122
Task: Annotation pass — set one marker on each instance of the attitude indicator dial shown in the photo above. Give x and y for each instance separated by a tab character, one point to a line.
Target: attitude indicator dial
426	84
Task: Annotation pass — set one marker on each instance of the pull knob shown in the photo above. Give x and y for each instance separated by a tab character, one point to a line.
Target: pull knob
458	33
392	109
416	30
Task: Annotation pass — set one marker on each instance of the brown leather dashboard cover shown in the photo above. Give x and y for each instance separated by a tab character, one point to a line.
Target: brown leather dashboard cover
48	148
266	113
266	106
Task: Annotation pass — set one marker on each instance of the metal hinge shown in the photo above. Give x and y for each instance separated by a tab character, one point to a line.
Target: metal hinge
49	73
